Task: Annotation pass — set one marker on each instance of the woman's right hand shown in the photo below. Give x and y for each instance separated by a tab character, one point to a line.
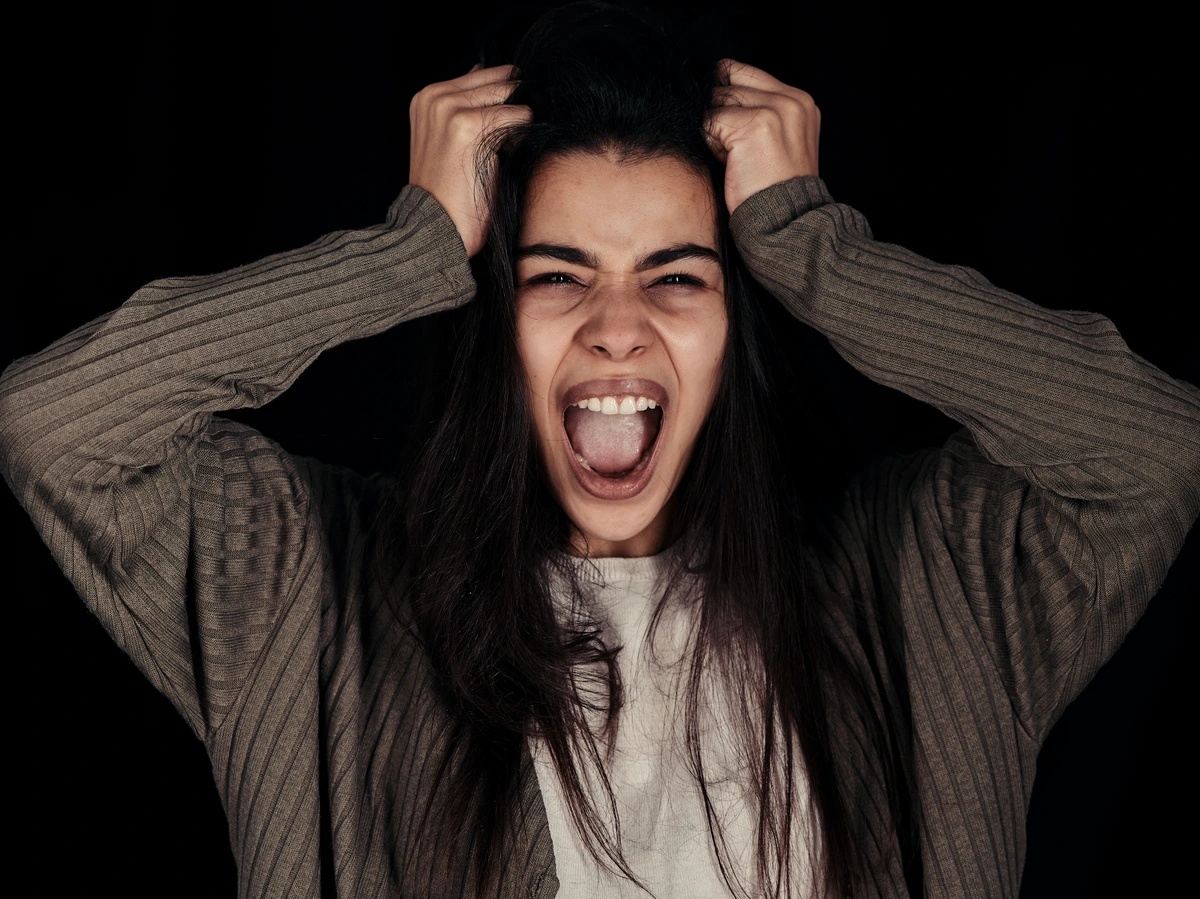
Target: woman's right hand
449	121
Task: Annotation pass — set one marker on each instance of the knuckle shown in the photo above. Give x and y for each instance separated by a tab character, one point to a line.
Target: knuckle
424	99
771	119
464	123
794	104
800	108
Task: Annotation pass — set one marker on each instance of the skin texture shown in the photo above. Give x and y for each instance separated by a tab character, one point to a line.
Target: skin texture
763	130
590	308
448	122
766	132
613	318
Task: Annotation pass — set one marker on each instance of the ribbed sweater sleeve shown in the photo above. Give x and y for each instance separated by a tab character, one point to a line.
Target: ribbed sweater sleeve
182	531
1057	513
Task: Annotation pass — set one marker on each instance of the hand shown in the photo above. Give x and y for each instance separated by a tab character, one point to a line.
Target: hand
765	131
450	122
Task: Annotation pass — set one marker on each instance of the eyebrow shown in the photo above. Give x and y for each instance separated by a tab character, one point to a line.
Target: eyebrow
658	258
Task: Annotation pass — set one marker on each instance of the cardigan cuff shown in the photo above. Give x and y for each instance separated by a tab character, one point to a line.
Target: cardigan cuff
773	208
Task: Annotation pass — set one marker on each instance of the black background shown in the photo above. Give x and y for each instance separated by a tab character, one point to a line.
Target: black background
1041	144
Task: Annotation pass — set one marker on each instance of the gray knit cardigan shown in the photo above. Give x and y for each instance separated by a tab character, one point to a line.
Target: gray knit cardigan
237	576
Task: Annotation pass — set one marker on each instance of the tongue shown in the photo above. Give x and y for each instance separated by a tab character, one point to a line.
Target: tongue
611	444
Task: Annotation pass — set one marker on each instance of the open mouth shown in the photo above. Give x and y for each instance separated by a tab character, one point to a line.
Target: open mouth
613	437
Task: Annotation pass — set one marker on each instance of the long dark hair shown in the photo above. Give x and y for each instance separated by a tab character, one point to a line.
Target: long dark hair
484	537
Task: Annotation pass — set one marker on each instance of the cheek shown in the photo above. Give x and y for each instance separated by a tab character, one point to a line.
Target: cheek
716	337
700	352
538	361
541	356
708	364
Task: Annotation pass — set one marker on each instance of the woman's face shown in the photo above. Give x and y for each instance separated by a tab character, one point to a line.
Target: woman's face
621	327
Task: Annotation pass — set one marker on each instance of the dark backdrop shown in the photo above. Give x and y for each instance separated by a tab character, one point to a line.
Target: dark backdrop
1040	146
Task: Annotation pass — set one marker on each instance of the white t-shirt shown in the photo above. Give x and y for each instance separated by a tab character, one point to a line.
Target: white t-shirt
664	828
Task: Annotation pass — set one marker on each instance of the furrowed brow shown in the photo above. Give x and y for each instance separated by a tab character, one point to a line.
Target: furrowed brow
573	255
668	255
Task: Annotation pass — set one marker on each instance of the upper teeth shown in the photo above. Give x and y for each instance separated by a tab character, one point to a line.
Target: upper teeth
610	405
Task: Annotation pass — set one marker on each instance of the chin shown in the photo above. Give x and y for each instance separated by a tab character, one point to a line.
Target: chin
627	528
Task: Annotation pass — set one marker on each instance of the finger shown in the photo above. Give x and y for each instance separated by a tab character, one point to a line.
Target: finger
728	126
725	124
476	77
753	96
728	120
480	75
716	143
743	95
499	117
742	74
490	94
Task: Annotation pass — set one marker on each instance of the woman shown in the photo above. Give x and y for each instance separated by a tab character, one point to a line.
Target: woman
614	533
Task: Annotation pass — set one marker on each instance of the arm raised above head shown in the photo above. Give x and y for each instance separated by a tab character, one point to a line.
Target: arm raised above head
1080	478
155	509
1081	475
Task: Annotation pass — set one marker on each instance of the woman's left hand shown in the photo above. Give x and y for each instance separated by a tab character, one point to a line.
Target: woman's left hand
765	131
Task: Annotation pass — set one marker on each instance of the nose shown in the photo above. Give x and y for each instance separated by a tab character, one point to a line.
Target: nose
618	325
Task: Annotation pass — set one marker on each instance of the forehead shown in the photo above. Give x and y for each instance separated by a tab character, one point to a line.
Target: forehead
599	201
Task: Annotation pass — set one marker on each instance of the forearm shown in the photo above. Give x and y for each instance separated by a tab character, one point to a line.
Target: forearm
164	517
1037	388
1057	521
127	391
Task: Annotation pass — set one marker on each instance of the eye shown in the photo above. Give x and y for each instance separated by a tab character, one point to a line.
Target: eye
679	279
553	279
